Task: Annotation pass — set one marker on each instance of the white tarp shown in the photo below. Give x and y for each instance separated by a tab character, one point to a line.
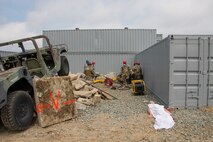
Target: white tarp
163	119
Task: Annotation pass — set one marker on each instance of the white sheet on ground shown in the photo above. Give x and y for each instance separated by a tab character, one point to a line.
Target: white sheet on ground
163	119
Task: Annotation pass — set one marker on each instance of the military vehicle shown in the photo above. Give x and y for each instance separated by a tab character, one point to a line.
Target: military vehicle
17	70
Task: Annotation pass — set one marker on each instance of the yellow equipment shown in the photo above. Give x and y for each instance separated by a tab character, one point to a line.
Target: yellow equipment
138	87
98	81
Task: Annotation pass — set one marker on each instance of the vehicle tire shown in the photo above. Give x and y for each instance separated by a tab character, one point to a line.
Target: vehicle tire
64	71
17	114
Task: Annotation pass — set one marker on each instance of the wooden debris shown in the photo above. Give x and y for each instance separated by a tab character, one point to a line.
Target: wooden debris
102	92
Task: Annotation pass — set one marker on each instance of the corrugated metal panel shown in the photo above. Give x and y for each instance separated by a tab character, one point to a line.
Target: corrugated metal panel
122	40
104	62
209	61
159	37
155	66
108	47
5	53
179	70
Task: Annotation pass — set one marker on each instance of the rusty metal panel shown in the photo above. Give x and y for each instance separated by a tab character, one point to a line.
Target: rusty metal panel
54	99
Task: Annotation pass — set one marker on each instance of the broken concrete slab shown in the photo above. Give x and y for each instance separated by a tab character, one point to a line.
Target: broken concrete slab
85	94
87	88
88	102
78	84
96	99
80	106
73	76
54	99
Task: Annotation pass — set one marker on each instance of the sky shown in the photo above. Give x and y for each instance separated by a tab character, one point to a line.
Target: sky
23	18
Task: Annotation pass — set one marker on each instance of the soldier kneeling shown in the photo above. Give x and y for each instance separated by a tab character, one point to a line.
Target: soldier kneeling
137	71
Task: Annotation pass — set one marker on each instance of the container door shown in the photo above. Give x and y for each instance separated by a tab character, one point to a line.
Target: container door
208	73
194	67
187	66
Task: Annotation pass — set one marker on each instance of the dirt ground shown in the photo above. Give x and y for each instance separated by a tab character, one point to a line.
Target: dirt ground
106	127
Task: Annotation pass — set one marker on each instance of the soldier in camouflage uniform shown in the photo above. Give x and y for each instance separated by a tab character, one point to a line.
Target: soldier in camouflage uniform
124	74
89	70
137	71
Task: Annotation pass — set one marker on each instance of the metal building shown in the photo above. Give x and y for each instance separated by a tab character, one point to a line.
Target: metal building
107	47
5	53
179	70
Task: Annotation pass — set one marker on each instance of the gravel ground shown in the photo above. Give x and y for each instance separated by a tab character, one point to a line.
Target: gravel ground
124	119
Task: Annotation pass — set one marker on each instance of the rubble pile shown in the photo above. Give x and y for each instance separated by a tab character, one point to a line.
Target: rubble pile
85	95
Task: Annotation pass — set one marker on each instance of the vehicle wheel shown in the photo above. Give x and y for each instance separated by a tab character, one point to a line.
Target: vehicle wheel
64	71
17	114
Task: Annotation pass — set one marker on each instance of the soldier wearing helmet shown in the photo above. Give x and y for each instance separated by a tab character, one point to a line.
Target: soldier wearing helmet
137	71
124	74
89	70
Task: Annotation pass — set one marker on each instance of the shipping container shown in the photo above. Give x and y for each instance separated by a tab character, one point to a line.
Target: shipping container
108	47
179	70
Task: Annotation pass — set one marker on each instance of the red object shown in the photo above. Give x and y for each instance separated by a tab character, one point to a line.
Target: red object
136	63
108	82
124	61
93	63
69	102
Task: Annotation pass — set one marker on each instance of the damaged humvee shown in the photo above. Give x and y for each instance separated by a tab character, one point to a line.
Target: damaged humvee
17	105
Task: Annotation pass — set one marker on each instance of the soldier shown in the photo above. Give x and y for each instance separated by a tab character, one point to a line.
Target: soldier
89	70
124	74
137	71
93	66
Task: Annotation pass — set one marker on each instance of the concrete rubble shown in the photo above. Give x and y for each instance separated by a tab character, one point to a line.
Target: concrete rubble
54	98
57	98
84	94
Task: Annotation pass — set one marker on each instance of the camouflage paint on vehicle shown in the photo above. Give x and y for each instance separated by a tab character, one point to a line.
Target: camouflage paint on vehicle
19	68
9	78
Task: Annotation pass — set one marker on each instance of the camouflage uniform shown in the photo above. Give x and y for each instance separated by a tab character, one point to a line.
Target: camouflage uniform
89	71
137	72
125	74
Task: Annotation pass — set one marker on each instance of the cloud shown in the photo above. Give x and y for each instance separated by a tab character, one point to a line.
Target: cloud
167	16
11	31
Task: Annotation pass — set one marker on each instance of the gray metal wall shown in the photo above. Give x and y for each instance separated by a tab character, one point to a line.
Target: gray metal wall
179	70
159	37
104	62
5	53
108	47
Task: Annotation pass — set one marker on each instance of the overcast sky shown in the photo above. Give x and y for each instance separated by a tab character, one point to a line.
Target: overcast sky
22	18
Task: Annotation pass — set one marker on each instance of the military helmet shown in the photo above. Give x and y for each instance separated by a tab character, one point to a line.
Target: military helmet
136	63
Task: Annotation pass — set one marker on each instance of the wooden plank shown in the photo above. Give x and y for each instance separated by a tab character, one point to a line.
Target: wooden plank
54	100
